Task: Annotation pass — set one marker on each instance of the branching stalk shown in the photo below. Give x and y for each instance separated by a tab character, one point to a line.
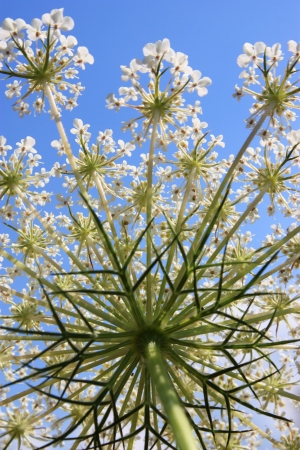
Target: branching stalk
149	213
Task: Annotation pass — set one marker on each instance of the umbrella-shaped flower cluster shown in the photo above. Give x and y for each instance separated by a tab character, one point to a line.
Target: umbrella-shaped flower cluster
138	307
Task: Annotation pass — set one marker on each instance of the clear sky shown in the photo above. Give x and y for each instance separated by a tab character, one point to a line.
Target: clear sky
210	32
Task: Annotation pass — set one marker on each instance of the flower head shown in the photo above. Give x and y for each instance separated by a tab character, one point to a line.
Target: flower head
166	102
52	60
278	94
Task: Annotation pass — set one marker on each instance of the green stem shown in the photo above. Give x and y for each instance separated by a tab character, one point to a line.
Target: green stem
65	141
178	420
178	226
149	213
213	257
218	194
104	202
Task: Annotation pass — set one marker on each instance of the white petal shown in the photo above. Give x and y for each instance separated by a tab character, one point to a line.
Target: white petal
205	81
292	46
149	49
243	61
259	47
9	24
46	18
248	49
29	141
196	75
67	24
202	91
71	41
36	24
57	15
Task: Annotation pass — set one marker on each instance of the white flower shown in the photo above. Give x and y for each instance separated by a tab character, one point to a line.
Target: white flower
10	27
38	105
57	169
22	109
44	175
7	212
180	63
13	89
275	54
105	137
125	149
67	43
294	137
294	48
3	147
83	56
129	93
34	31
250	77
238	93
80	129
199	84
7	51
165	174
251	54
113	102
63	201
130	73
254	155
59	147
195	109
56	20
216	140
158	49
26	146
175	193
197	128
33	160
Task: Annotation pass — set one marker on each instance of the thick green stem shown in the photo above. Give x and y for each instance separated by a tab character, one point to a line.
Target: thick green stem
178	420
149	212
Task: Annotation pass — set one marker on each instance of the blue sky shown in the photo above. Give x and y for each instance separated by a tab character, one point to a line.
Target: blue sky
212	33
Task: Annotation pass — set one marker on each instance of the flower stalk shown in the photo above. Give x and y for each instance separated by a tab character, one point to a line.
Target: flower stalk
171	403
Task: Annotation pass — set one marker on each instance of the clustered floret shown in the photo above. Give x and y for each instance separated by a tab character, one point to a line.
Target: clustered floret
44	56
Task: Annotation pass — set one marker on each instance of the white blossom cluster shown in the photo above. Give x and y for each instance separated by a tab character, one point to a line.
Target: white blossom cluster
156	251
39	53
168	97
277	92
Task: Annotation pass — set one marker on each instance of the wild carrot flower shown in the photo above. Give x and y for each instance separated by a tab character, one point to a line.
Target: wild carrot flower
44	57
138	306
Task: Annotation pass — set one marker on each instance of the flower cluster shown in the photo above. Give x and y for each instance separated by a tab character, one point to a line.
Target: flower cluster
37	54
17	176
166	101
278	94
140	306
